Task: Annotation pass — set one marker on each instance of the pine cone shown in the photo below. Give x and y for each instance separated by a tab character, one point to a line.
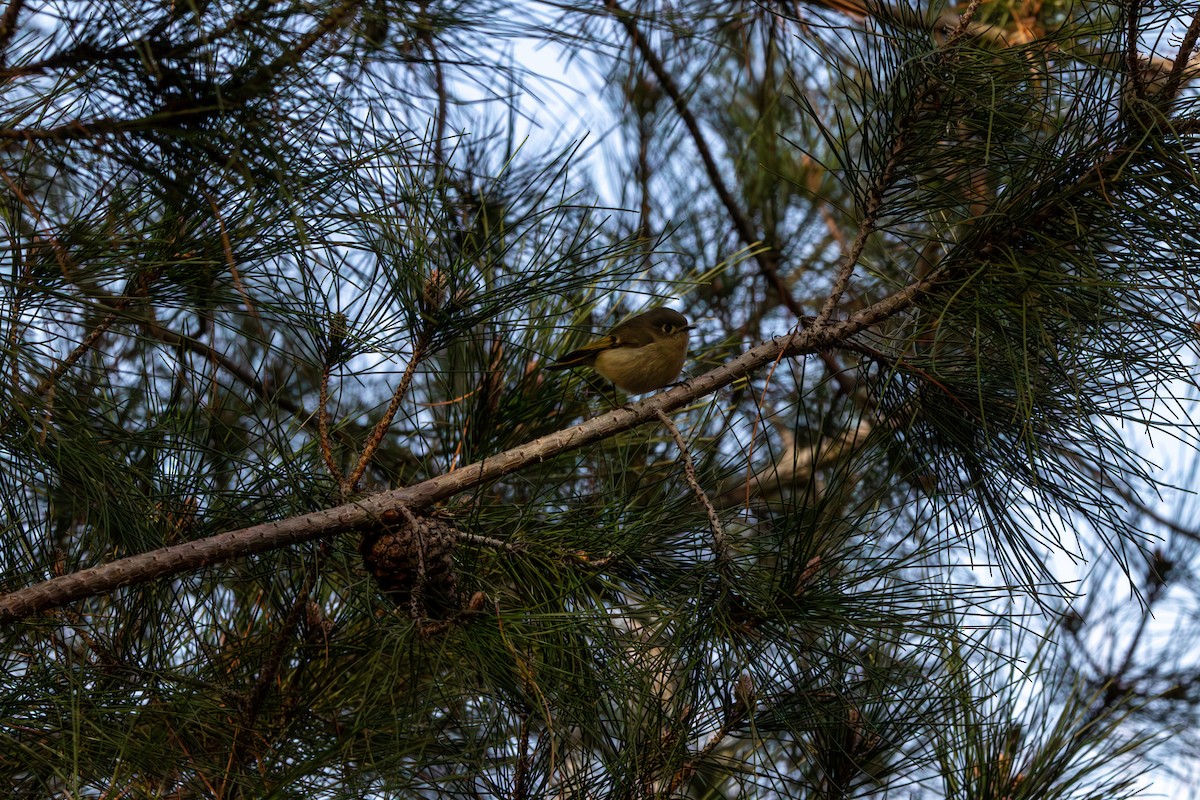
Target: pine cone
414	565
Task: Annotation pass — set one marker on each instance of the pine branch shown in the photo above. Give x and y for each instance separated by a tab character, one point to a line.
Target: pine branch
383	508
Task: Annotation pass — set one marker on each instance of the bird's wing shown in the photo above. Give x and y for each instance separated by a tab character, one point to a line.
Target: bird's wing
585	355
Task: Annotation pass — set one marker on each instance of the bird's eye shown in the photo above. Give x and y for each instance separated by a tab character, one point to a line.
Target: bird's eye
668	327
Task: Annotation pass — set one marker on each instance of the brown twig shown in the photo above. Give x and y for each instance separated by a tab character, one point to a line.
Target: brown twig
420	345
732	719
323	427
1182	58
443	99
865	228
1132	63
874	198
720	543
291	57
256	84
524	759
767	259
115	304
417	595
231	263
487	541
118	305
8	23
335	350
60	253
14	317
247	378
267	677
794	467
80	349
964	23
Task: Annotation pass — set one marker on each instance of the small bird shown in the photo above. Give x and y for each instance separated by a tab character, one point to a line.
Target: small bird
641	354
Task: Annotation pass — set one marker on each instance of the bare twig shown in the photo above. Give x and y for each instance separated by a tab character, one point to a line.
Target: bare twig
1132	34
118	305
720	544
323	427
291	57
267	678
80	349
487	541
417	595
521	779
60	253
795	466
735	716
14	317
865	228
1182	58
874	198
8	24
231	263
443	100
335	351
420	345
766	259
964	23
256	84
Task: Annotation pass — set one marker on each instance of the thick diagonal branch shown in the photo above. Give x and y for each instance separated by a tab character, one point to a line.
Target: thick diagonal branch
385	506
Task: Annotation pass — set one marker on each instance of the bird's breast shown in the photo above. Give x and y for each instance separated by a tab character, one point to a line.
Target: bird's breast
642	369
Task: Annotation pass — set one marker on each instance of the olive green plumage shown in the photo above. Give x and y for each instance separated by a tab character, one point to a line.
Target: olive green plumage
641	354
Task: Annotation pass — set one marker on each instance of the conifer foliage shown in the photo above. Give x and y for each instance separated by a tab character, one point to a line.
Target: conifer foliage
291	506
